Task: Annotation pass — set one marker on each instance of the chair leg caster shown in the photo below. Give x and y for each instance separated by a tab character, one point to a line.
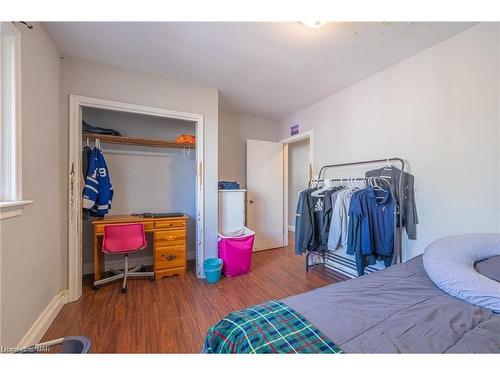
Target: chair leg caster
124	290
96	287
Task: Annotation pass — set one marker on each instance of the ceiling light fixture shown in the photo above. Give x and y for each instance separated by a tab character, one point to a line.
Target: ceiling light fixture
314	24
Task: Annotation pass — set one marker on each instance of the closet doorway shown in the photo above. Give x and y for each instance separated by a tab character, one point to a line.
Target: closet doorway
158	123
297	171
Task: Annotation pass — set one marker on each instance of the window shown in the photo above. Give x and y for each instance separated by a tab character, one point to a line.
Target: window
11	202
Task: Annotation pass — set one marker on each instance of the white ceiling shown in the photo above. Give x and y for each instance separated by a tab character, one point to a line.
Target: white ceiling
266	69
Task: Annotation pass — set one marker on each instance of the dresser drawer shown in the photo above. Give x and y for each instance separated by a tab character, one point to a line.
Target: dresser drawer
170	238
99	228
170	257
170	224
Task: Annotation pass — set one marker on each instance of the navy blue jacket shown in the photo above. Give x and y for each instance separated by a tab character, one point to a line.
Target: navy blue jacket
371	226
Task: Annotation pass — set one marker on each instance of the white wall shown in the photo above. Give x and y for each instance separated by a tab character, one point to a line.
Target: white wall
87	78
146	179
234	130
439	111
298	174
34	244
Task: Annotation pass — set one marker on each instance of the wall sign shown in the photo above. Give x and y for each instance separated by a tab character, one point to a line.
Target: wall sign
294	129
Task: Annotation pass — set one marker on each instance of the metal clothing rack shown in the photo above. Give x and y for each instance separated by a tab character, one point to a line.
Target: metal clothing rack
347	266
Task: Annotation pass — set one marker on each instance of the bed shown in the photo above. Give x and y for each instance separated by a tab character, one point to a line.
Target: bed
397	310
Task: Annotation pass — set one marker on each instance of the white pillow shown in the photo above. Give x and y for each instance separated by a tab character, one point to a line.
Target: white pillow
449	262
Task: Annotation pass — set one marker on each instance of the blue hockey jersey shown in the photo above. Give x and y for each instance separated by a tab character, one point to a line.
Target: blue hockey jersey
98	192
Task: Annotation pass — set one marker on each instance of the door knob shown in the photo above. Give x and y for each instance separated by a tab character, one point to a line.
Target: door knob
251	201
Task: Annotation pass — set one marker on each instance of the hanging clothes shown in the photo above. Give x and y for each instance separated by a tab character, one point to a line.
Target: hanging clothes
304	221
98	191
86	155
318	219
409	213
340	214
371	227
327	215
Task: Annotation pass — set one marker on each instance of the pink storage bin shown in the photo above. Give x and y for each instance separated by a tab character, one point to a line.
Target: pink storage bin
236	252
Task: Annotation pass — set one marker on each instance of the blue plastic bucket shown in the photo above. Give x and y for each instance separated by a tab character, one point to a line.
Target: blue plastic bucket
213	269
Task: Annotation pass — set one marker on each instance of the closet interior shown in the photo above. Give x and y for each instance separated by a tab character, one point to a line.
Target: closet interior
152	169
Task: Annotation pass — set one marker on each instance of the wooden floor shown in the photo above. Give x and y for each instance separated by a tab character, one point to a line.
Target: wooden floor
173	314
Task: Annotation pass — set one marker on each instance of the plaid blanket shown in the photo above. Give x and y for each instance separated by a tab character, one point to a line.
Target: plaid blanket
272	327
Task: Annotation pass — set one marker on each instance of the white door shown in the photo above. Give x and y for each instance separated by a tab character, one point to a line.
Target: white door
265	193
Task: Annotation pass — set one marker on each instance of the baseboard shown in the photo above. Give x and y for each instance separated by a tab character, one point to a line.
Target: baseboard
291	228
42	324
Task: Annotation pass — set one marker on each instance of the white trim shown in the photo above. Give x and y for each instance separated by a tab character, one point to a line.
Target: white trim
112	105
298	137
285	194
76	103
200	197
17	194
12	209
291	228
42	324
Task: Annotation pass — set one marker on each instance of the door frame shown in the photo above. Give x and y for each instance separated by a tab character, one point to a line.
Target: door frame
296	138
76	103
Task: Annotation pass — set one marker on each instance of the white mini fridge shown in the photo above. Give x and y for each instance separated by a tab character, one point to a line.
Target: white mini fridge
232	211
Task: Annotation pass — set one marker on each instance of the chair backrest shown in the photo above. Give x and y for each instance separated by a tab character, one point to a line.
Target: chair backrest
123	238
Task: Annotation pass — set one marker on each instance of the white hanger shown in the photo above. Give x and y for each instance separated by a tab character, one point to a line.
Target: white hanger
388	165
327	185
314	181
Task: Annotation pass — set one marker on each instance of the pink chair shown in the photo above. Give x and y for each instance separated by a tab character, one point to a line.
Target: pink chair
124	239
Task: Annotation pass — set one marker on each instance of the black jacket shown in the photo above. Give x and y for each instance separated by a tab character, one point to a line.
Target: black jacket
304	221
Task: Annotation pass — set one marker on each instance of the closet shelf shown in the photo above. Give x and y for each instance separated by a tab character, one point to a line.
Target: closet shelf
136	141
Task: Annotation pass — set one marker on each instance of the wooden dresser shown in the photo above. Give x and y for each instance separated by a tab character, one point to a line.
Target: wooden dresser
169	242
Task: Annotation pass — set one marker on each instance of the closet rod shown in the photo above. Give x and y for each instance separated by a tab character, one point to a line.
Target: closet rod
136	141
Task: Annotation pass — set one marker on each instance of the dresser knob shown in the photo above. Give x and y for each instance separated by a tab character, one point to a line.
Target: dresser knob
169	257
171	238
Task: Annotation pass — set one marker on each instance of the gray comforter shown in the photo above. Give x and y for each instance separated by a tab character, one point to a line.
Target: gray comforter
400	310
